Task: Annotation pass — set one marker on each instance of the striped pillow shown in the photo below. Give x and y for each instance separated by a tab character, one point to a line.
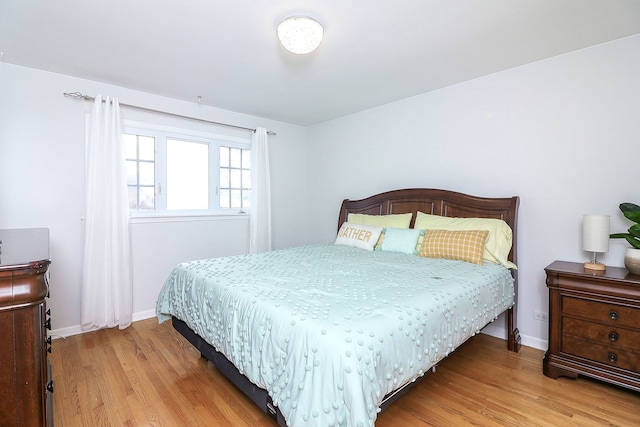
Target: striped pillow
464	245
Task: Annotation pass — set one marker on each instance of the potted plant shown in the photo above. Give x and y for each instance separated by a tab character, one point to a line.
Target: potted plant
632	256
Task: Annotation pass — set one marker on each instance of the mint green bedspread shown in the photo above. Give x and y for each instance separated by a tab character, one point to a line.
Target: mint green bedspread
329	330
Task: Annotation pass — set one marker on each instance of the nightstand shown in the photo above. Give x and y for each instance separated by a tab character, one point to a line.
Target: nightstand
594	324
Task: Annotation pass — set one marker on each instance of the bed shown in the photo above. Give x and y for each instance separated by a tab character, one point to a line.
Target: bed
332	334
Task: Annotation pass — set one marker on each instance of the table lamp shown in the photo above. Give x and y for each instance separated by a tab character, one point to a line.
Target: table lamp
595	238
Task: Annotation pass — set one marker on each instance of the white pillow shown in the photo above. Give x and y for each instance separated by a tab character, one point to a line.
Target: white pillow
358	235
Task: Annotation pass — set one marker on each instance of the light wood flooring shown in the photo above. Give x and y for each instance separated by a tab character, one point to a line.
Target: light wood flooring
149	375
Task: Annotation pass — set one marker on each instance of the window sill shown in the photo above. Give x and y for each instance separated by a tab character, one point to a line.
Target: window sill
142	218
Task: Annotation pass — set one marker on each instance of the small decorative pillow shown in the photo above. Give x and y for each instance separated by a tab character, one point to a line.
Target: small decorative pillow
358	235
464	245
400	240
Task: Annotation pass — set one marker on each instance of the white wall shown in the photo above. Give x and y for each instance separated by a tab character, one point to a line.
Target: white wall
563	134
42	138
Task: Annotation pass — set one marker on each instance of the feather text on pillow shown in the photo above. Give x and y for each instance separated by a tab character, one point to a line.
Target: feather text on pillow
358	235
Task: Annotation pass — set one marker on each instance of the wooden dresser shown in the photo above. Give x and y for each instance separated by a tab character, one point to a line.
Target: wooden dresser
26	388
594	324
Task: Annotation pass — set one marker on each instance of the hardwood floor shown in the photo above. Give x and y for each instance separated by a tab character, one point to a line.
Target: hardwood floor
148	375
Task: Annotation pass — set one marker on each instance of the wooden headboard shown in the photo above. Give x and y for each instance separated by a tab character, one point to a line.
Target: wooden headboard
445	203
436	202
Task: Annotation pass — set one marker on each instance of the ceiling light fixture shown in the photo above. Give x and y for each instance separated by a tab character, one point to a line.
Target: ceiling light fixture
300	34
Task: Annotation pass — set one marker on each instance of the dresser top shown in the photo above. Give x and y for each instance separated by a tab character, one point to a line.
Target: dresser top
23	246
577	269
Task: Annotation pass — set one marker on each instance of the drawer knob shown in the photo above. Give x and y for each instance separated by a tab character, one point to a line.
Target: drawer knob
47	324
613	358
613	315
50	386
613	336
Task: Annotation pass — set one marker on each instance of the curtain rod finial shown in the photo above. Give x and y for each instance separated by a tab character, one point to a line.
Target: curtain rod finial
75	95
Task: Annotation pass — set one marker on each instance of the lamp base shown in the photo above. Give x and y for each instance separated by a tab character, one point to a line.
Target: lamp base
594	266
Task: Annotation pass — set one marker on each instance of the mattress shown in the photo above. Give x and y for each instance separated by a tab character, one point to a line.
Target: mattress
329	330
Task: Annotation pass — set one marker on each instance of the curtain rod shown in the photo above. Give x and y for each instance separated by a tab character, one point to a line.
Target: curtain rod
79	96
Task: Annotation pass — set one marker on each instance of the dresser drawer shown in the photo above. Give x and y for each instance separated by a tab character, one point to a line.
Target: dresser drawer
614	337
611	314
613	356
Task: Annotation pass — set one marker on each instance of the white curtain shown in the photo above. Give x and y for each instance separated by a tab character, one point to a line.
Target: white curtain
260	211
106	299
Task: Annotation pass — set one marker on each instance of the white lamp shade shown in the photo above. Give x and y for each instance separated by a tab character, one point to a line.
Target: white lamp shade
595	233
299	34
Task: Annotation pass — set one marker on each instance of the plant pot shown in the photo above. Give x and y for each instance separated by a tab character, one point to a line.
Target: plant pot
632	260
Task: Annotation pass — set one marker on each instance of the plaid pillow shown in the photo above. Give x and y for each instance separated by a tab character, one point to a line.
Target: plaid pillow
464	245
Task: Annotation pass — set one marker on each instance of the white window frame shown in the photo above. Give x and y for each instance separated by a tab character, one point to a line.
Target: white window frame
161	133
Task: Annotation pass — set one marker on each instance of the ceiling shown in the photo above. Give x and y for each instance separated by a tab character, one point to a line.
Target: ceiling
226	51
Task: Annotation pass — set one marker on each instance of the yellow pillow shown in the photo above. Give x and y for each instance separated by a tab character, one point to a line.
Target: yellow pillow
394	220
498	243
464	245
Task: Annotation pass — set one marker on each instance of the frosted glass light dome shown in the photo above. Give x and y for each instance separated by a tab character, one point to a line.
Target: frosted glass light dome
300	34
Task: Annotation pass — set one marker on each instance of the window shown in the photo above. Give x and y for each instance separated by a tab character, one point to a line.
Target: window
177	171
235	177
140	155
187	175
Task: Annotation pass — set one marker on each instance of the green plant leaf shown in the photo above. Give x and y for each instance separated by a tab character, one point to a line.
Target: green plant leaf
633	242
631	211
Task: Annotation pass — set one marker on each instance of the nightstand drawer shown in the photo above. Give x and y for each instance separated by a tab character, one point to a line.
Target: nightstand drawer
611	314
609	336
619	357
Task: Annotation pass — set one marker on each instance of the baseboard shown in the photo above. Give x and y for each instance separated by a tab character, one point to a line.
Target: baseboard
533	342
77	329
527	340
141	315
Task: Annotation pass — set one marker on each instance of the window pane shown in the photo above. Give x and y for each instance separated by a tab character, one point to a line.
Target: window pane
130	148
235	155
224	199
235	178
224	178
246	198
147	198
246	159
187	175
146	173
133	197
246	178
132	172
224	157
146	147
236	198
